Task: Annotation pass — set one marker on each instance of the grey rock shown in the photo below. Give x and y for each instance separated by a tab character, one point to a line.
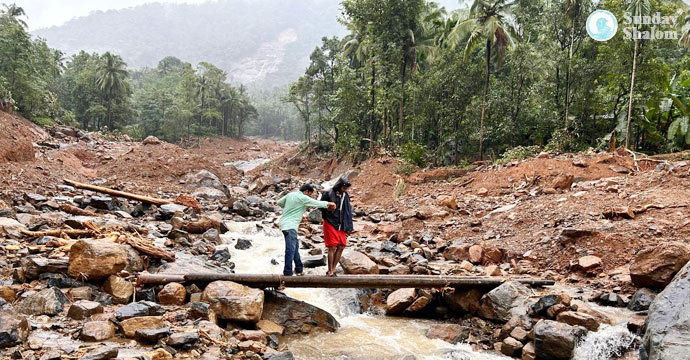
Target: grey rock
544	303
210	194
83	309
103	203
243	244
148	294
139	308
508	300
668	321
183	339
642	299
48	301
14	329
34	266
221	254
167	211
241	207
151	336
314	261
101	353
285	355
34	198
611	299
199	310
555	340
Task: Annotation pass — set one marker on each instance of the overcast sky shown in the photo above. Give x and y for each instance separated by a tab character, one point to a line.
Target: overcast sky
46	13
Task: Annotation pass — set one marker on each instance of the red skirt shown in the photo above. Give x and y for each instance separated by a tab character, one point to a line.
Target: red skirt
333	237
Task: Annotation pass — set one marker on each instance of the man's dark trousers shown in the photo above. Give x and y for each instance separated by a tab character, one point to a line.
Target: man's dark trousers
292	253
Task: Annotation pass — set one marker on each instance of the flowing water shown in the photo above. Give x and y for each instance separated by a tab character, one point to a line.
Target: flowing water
364	336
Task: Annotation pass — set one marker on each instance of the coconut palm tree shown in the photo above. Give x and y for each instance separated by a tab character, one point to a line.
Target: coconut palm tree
419	44
489	21
111	78
635	8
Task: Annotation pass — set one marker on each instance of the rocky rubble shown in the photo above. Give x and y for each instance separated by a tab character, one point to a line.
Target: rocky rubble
83	286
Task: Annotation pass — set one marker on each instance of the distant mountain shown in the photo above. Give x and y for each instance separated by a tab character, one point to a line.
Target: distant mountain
264	42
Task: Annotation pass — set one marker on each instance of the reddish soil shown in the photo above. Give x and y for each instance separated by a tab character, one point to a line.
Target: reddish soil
534	223
16	138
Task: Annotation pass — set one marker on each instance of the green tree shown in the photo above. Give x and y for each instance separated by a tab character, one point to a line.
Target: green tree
487	22
111	79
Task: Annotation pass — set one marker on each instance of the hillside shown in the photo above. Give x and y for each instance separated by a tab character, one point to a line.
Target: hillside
258	41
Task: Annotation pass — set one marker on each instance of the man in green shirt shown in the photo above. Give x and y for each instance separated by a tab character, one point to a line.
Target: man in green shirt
294	204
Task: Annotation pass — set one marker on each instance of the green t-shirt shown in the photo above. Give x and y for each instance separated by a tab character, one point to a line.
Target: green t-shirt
294	205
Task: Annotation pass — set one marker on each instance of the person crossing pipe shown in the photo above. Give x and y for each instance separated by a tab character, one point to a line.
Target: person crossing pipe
294	204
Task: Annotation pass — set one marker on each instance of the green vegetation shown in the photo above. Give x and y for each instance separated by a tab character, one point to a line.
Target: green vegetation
499	75
98	92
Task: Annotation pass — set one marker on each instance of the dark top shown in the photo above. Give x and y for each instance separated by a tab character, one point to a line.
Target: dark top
341	217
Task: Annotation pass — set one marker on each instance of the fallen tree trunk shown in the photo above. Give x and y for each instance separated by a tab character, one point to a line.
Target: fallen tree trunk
142	198
344	281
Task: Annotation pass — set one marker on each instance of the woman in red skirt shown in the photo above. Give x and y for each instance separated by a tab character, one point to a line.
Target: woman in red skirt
337	224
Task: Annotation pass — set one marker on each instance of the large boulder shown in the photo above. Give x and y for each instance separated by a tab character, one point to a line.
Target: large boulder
96	259
232	301
654	267
14	329
354	262
508	300
668	321
202	179
50	301
296	317
399	300
556	341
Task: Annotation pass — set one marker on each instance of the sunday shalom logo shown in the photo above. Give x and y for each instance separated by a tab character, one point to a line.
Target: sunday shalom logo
654	27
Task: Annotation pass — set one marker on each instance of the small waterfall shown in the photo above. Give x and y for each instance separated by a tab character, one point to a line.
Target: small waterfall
610	342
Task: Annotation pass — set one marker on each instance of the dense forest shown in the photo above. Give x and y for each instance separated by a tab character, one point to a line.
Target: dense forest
97	91
437	86
442	87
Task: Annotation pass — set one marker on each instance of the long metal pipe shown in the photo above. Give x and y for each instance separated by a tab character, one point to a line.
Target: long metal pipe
342	281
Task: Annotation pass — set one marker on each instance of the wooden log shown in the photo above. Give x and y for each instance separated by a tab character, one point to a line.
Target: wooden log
123	194
343	281
147	247
73	233
71	209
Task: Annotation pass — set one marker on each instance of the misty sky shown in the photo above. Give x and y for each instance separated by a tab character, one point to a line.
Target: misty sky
46	13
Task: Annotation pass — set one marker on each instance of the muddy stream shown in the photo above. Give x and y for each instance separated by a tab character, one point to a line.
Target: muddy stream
365	336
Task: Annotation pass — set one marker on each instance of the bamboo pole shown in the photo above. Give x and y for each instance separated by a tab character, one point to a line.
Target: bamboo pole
343	281
142	198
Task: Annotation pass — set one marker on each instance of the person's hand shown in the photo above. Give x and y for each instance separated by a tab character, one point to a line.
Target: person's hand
331	206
